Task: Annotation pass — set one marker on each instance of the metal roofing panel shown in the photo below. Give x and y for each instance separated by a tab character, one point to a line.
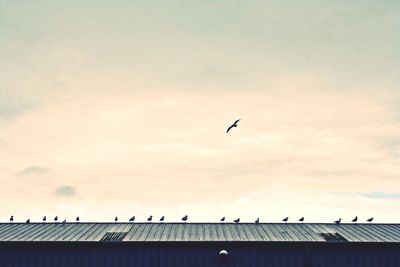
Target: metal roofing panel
146	232
170	232
133	232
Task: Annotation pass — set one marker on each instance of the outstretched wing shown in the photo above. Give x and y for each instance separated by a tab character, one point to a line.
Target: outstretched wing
236	121
230	127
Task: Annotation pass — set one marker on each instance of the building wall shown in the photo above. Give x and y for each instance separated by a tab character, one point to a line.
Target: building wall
163	254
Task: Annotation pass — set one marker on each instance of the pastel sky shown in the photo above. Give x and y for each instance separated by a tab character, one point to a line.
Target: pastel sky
119	108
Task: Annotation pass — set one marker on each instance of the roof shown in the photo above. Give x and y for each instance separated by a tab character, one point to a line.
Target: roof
150	232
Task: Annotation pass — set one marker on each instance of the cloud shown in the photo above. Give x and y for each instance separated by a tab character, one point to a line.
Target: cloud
32	170
382	195
376	195
65	191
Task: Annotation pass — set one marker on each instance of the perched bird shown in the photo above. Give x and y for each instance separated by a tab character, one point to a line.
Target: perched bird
233	125
44	218
370	219
237	220
185	218
28	221
301	219
150	218
116	219
286	219
222	219
77	219
355	219
162	219
338	221
12	218
257	221
64	222
56	218
132	219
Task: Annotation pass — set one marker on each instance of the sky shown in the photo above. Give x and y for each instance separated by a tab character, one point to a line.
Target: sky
119	108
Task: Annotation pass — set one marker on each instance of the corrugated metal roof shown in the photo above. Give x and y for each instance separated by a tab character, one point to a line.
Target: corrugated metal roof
149	232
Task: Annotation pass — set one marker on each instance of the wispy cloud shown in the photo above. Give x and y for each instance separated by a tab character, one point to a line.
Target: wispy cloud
377	195
65	191
32	170
382	195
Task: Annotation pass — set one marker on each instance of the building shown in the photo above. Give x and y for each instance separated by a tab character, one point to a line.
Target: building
199	244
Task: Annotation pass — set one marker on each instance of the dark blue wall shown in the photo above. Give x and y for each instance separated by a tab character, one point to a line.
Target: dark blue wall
248	254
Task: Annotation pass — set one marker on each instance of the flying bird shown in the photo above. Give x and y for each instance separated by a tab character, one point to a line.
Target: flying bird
28	221
185	218
286	219
257	221
233	125
132	219
355	219
301	219
44	218
162	219
77	219
116	219
222	219
237	220
12	218
56	218
370	219
150	218
338	221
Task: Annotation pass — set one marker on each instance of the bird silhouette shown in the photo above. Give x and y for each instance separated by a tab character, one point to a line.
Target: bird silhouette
370	219
150	218
132	219
237	220
185	218
12	218
64	222
233	125
355	219
28	221
162	219
116	219
301	219
44	218
286	219
222	219
77	219
257	221
56	218
338	221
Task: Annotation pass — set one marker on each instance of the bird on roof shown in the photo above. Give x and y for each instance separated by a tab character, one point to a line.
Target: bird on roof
116	219
162	219
77	219
64	222
370	219
44	218
12	218
132	219
237	220
185	218
286	219
28	221
338	221
222	219
301	219
257	221
56	218
150	218
233	125
355	219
